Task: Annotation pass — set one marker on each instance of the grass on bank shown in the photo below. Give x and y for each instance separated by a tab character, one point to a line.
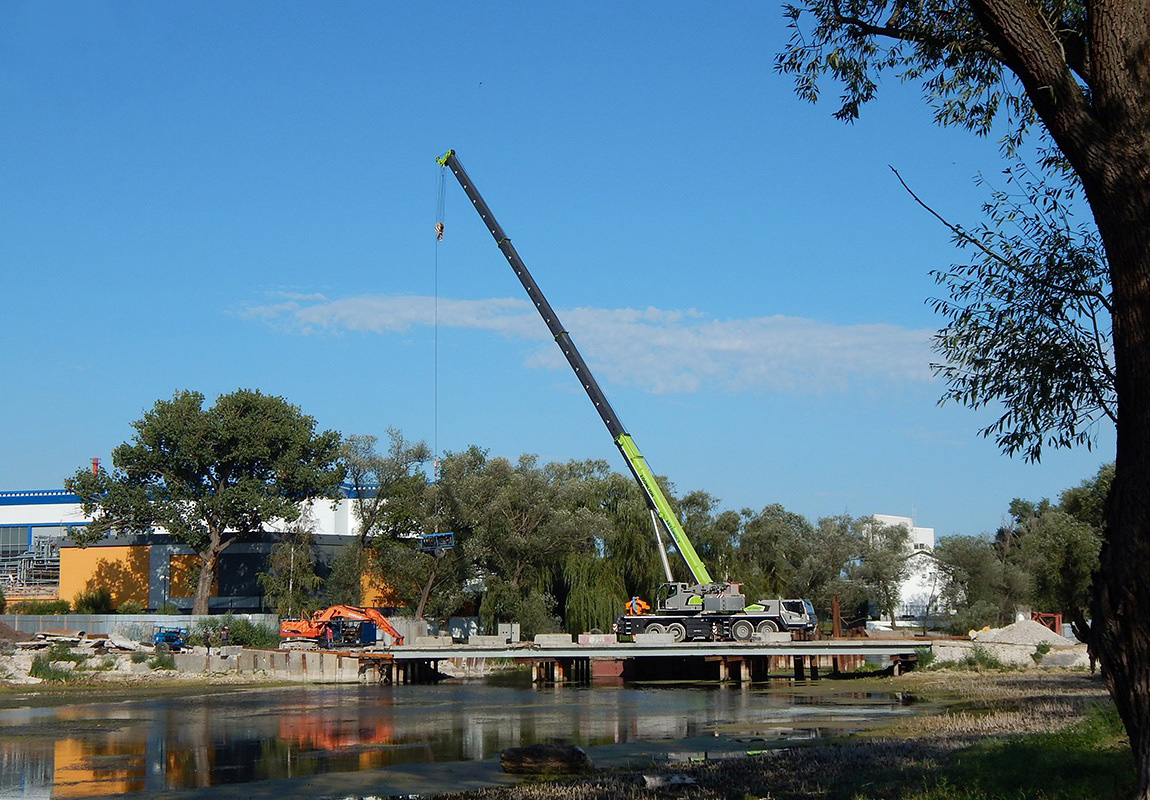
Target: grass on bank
1088	759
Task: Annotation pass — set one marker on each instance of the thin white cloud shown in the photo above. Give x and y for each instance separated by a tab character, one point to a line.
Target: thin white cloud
655	349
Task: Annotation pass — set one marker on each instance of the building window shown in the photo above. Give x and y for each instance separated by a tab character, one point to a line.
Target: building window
14	539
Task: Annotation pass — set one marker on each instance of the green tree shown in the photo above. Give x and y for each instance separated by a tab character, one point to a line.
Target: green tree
290	582
589	587
520	525
1086	502
630	542
386	489
1061	554
883	565
1079	70
388	494
1059	547
595	592
980	586
211	477
822	563
343	584
768	546
714	535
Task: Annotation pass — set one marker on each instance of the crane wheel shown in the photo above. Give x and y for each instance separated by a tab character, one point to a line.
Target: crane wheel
654	627
768	626
677	630
741	631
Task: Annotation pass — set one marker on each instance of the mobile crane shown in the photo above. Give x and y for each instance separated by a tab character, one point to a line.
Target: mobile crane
705	609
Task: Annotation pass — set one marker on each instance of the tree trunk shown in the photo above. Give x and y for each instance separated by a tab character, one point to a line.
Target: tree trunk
1121	605
209	561
1118	188
426	593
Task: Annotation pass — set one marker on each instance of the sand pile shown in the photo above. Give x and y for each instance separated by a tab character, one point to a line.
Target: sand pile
1026	632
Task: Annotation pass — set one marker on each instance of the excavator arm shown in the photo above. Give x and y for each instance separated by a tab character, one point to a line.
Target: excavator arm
313	628
656	498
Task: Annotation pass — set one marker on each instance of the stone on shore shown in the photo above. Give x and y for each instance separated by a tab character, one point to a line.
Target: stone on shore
545	759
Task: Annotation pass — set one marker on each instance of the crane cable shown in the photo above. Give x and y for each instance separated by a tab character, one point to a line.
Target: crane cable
440	204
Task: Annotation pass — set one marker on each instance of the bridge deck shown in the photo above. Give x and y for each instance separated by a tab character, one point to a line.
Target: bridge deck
824	647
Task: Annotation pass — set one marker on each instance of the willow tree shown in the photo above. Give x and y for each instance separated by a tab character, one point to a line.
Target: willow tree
1079	72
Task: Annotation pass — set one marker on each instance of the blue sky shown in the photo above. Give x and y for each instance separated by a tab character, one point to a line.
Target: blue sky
209	196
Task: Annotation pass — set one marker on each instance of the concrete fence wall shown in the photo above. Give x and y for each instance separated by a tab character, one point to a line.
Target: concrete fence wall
308	666
137	627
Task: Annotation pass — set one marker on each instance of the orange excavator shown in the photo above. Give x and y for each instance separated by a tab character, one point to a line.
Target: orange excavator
338	626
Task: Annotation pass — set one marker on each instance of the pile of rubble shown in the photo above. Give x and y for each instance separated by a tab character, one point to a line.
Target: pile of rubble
95	642
101	655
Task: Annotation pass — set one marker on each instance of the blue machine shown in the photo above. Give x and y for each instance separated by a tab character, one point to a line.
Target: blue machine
175	639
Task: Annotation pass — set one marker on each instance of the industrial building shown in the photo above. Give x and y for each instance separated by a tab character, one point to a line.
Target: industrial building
919	592
40	561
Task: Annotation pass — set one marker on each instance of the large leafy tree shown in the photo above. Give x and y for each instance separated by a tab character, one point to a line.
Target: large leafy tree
211	476
978	587
822	564
1078	69
630	545
768	547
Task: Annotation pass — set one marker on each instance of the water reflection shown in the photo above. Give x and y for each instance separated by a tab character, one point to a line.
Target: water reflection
146	746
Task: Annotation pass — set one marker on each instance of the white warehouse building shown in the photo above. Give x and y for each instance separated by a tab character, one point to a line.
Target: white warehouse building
920	586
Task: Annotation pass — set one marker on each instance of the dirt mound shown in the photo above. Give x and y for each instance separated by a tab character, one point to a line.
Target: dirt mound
10	634
1024	632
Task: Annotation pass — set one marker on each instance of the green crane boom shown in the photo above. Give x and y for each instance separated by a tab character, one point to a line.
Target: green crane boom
656	498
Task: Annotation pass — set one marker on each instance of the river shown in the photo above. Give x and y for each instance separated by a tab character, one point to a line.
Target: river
310	741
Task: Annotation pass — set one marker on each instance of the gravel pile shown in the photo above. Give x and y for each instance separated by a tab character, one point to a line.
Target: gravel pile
1026	632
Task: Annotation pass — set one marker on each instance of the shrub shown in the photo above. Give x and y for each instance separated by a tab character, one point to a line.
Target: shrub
162	661
43	669
130	607
980	659
138	657
94	601
3	601
974	617
62	651
241	632
924	657
169	609
40	607
1040	651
